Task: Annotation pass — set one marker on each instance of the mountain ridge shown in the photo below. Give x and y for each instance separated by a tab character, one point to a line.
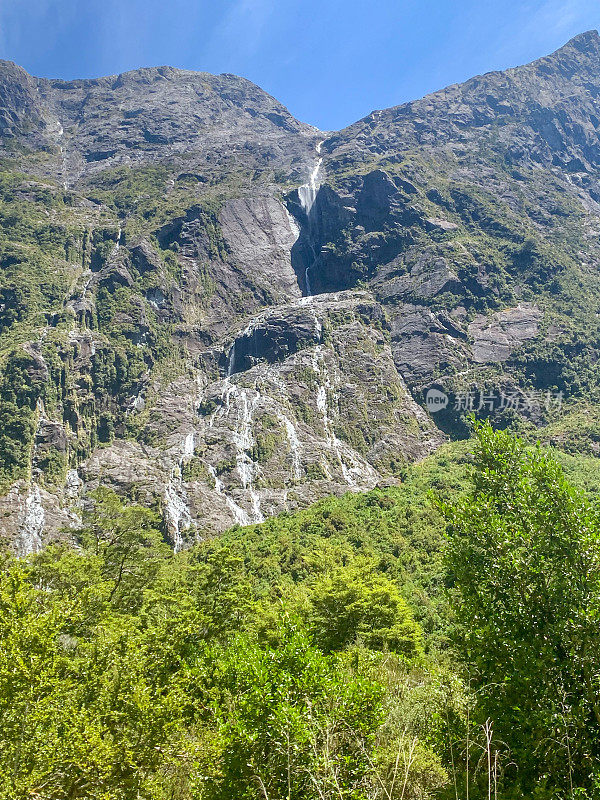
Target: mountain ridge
584	38
215	309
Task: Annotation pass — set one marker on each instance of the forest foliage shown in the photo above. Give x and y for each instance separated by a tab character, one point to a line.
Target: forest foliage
405	643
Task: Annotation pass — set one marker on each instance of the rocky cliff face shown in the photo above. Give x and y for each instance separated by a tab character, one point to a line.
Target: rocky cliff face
211	307
472	216
211	123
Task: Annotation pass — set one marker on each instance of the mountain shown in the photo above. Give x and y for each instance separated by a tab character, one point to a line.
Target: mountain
219	311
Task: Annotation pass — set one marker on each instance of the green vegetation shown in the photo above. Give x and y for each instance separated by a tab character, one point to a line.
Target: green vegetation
435	639
524	560
60	277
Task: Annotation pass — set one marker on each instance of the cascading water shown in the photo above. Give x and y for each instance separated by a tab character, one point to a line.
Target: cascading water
58	133
295	444
239	515
86	285
235	399
355	470
290	428
244	440
189	446
307	194
32	527
177	513
231	360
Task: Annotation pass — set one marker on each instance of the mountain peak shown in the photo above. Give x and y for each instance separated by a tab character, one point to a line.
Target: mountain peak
584	46
588	40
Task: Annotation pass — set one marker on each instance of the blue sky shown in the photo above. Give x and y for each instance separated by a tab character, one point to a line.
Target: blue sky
331	62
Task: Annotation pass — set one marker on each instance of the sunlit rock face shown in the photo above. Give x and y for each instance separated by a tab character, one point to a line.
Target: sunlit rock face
217	310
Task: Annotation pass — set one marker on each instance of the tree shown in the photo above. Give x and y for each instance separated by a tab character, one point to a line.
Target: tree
358	604
524	560
129	545
81	716
295	723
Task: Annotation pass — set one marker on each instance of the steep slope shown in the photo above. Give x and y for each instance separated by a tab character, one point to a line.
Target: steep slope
145	234
215	123
220	311
480	198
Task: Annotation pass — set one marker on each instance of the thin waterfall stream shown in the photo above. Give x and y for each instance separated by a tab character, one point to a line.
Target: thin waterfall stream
307	194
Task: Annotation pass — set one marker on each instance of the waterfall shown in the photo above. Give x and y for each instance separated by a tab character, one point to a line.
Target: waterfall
307	194
58	134
318	328
176	511
333	442
188	447
295	443
34	518
307	270
239	515
138	403
223	410
87	285
357	469
177	515
231	360
244	441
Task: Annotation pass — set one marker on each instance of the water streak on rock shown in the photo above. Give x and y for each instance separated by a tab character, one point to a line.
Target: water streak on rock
32	527
307	194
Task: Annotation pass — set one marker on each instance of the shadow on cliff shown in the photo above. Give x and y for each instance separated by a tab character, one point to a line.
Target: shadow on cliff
320	263
347	236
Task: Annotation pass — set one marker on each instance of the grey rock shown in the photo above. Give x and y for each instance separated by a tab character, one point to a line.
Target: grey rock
427	247
205	122
427	345
327	415
429	276
260	233
497	336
